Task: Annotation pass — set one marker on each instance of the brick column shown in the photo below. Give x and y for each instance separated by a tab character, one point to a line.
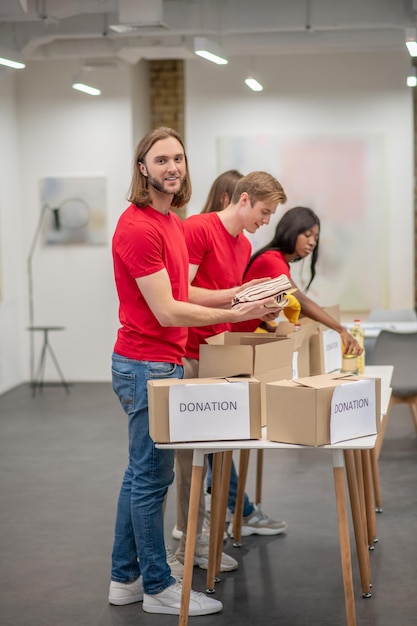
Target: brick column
166	84
415	195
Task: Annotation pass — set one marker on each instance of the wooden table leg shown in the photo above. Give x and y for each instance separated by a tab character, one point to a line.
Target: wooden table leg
361	543
375	478
195	489
214	519
224	495
259	472
342	517
369	498
361	488
241	485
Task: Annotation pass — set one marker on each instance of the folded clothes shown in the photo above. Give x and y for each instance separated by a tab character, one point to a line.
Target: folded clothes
277	288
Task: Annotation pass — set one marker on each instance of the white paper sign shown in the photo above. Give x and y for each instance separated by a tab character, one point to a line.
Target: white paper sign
332	351
209	412
353	410
295	365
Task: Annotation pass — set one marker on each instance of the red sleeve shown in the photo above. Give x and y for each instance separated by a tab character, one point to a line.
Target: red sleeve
270	263
143	253
197	239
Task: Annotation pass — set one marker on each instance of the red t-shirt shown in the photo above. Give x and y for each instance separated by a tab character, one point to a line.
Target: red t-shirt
271	263
146	241
221	258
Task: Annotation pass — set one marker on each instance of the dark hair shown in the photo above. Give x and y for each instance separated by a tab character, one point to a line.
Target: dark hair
294	222
223	184
138	192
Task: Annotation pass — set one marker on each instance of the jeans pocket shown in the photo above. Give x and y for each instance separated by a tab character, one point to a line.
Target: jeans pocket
162	370
124	388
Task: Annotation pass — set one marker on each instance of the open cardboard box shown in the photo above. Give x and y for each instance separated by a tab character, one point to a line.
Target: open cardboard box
324	409
201	409
301	354
325	344
264	356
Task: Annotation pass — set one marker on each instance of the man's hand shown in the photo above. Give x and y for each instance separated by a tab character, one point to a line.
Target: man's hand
267	309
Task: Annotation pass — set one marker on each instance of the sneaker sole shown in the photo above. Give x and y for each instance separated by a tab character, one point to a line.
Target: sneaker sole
123	601
167	610
247	531
202	563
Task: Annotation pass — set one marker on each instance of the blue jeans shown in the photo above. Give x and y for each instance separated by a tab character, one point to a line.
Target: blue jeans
248	507
139	545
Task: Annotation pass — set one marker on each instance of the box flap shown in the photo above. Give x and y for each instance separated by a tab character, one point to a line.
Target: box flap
225	360
273	355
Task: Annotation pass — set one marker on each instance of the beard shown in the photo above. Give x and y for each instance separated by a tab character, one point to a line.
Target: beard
159	185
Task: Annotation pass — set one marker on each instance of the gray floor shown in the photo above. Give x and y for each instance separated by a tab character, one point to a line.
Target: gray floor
61	462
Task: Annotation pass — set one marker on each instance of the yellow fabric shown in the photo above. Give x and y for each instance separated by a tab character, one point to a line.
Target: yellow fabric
293	309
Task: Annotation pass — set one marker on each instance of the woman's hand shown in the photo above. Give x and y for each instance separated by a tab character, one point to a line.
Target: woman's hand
350	345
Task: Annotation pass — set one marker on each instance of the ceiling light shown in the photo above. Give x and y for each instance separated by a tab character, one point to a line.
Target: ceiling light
209	50
412	77
253	84
12	59
410	41
92	91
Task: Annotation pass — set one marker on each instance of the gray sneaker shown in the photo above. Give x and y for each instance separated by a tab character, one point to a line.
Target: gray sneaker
177	568
126	593
258	523
201	553
169	602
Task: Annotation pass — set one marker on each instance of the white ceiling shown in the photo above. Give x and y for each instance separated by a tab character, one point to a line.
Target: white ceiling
80	29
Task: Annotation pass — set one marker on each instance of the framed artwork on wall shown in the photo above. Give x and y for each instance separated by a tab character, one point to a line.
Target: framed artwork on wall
75	210
341	178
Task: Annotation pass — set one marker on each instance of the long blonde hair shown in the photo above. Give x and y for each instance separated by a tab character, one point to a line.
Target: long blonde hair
138	192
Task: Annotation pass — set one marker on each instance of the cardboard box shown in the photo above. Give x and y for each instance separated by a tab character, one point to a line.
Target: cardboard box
244	354
325	344
202	409
266	357
301	354
319	410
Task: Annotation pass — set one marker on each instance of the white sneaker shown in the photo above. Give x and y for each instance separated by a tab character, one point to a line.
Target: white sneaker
176	533
206	527
229	513
169	602
126	593
228	563
258	523
177	568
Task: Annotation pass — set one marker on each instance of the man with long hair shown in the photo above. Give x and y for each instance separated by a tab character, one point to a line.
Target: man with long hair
150	260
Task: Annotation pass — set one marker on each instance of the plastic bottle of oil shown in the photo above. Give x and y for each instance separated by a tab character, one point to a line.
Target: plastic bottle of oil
358	333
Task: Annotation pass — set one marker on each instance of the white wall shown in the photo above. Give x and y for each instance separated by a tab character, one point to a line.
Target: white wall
56	131
47	129
344	93
12	179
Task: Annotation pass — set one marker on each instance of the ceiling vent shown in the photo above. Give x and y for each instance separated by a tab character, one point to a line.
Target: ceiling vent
139	16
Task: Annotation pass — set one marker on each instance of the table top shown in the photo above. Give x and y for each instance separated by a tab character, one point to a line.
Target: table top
46	328
361	443
372	329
